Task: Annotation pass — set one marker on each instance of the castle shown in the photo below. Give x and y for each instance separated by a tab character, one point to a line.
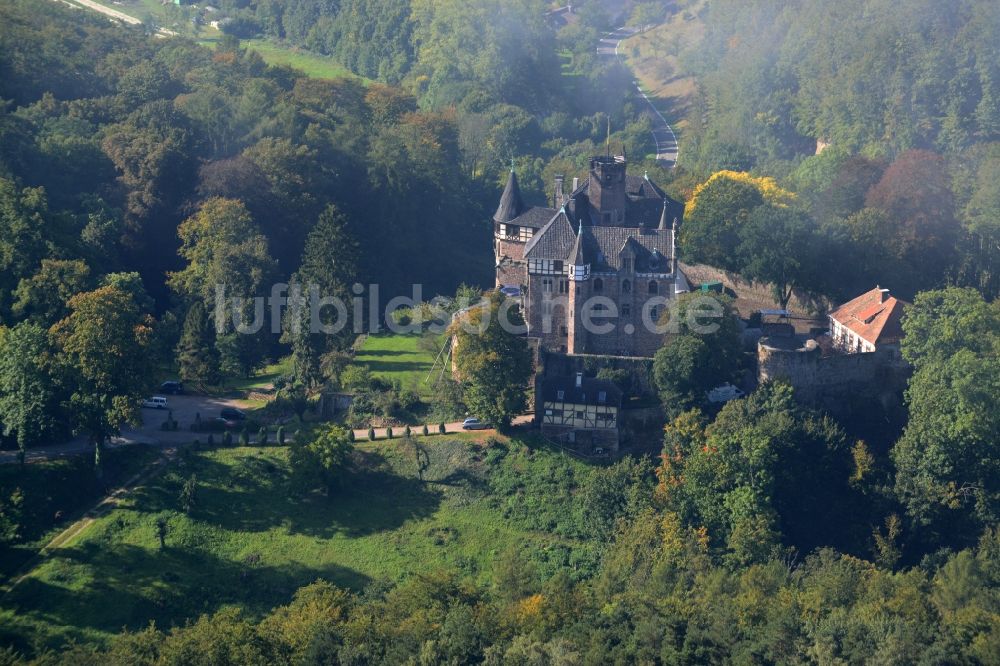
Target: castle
597	270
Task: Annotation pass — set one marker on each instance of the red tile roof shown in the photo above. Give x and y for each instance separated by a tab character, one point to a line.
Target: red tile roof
874	316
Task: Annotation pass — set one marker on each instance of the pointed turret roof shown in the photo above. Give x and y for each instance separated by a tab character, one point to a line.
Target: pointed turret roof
664	225
511	203
576	255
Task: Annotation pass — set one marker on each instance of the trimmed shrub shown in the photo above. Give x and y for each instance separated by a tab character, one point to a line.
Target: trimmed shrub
442	429
262	436
227	438
388	433
427	430
350	435
211	440
371	434
244	438
407	432
281	435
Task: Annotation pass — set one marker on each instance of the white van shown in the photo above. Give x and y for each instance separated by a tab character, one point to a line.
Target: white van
156	402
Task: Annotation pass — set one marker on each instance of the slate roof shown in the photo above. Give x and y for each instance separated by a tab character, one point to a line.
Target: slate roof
554	241
511	203
535	217
601	246
875	317
588	393
649	220
643	208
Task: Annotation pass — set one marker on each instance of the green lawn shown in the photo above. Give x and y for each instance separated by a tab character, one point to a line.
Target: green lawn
312	64
264	378
404	358
251	541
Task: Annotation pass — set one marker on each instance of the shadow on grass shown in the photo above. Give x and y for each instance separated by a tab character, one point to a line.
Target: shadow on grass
102	587
256	494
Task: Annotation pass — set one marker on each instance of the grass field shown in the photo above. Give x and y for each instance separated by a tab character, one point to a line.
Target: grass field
251	541
313	65
404	358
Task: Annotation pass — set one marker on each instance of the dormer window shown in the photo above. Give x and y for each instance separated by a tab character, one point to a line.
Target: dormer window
627	264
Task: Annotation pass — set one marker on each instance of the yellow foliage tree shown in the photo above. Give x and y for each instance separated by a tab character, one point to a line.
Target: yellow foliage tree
767	186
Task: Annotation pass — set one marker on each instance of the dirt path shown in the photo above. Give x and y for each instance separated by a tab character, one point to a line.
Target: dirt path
120	16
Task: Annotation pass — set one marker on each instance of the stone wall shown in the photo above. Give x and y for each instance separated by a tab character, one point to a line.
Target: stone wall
829	380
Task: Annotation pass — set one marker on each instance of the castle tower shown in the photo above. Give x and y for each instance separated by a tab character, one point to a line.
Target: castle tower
607	190
509	239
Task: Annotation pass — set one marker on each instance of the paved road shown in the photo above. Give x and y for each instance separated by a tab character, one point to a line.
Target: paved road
663	133
361	434
184	408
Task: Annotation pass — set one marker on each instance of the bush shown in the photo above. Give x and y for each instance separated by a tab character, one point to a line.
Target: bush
427	430
407	432
350	435
442	429
371	434
388	433
281	435
227	438
262	436
245	438
211	440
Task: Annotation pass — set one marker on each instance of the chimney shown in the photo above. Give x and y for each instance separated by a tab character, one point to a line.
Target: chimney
576	183
560	197
579	379
883	295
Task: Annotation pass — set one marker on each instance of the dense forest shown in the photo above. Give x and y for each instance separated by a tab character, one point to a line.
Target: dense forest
831	146
879	116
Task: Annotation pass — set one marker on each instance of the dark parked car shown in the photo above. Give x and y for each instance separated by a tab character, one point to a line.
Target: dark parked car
232	414
173	388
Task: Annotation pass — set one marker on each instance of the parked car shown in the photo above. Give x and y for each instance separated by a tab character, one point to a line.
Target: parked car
232	414
156	402
172	387
725	393
473	424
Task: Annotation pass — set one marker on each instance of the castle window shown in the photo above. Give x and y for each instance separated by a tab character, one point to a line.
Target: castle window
653	287
563	286
654	314
513	231
626	310
562	331
557	266
547	285
626	286
602	396
598	284
600	307
560	395
627	264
